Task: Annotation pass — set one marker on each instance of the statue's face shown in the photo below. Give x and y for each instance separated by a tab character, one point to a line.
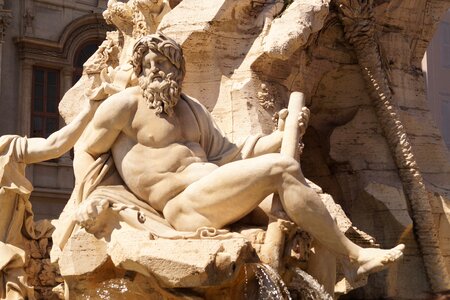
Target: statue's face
158	83
153	63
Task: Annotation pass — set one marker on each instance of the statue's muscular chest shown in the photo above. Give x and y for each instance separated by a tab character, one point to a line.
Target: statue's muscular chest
156	131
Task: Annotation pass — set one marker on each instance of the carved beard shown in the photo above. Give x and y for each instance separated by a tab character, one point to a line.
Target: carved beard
161	95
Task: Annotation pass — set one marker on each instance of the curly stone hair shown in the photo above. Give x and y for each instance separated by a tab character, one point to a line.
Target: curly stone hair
162	44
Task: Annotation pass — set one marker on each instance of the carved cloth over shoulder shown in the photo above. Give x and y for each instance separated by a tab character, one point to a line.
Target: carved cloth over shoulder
218	148
12	168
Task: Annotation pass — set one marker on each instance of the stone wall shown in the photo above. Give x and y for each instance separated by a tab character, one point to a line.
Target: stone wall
233	64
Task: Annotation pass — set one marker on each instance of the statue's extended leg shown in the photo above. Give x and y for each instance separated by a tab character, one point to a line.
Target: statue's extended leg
322	266
233	190
305	208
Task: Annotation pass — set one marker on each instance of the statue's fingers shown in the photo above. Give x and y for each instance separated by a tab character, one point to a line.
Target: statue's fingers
282	115
307	113
102	205
303	118
87	224
83	217
91	210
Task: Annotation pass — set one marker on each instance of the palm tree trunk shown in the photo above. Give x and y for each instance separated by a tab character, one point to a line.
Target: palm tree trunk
359	29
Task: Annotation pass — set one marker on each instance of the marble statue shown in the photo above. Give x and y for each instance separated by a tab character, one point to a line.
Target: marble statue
16	215
168	204
152	150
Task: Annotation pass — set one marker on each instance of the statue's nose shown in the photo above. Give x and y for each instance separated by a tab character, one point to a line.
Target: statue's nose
154	67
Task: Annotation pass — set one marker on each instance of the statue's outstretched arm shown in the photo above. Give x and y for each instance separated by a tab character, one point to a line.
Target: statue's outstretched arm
59	142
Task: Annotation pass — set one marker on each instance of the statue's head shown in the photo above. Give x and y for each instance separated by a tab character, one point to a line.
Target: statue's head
160	45
159	64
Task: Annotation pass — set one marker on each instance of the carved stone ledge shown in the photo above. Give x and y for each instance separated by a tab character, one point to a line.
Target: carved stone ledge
5	20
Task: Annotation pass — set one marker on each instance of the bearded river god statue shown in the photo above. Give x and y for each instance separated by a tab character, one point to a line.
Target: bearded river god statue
168	206
161	194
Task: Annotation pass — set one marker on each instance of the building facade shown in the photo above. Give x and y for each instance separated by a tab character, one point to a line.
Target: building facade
44	44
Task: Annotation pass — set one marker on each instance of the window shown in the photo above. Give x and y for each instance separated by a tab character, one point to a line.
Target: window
45	99
81	57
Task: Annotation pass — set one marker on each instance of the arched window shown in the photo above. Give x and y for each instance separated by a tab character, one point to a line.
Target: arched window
81	56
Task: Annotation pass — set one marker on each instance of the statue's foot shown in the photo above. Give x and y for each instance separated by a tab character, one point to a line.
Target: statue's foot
372	260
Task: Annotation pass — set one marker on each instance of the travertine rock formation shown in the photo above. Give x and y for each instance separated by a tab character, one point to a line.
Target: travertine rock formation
346	151
42	274
358	63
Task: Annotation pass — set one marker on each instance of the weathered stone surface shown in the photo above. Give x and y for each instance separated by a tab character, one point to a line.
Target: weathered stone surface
42	274
216	261
291	30
83	254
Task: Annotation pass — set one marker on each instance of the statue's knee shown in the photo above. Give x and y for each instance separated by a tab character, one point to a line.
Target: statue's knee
185	218
181	215
282	164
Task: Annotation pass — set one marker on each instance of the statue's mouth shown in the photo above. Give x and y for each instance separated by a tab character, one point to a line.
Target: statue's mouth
157	76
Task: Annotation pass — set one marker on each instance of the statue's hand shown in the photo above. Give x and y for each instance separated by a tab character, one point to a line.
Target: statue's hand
87	213
281	116
303	120
89	108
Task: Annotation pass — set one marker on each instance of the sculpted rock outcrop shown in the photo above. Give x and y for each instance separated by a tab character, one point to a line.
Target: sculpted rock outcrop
193	179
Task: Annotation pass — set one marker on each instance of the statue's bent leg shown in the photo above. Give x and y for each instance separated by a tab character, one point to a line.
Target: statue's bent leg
228	193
